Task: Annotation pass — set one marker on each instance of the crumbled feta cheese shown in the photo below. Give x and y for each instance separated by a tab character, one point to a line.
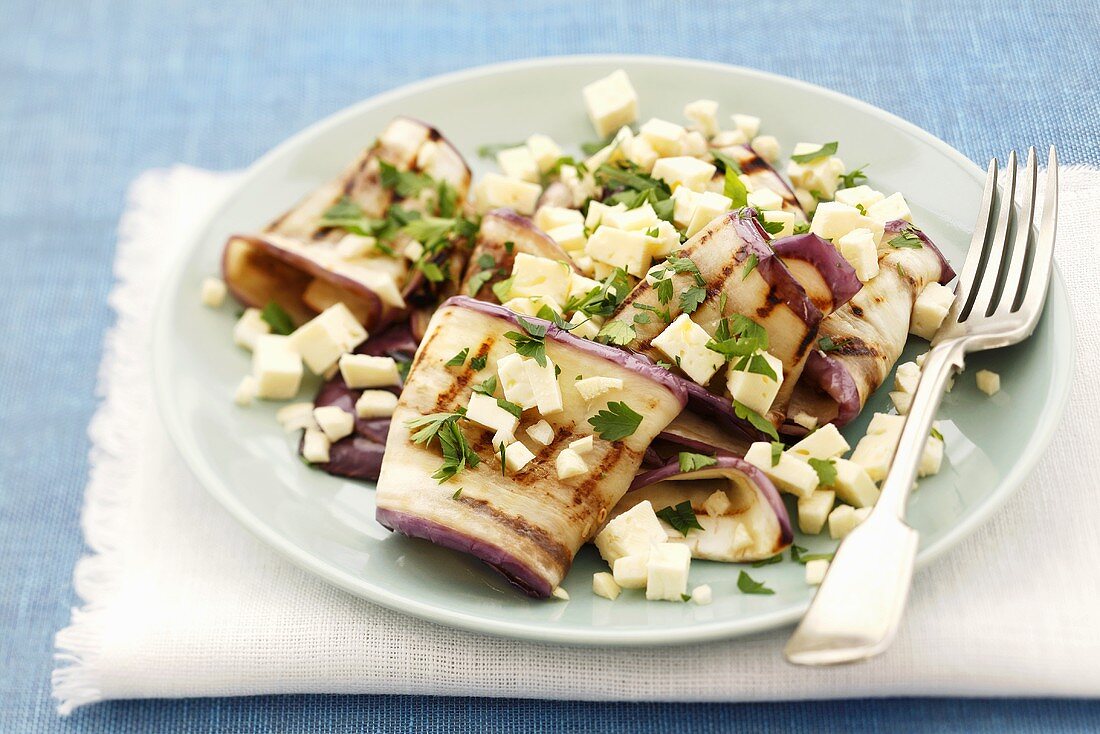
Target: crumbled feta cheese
552	217
580	286
717	503
815	571
787	219
413	250
767	147
364	370
334	421
807	421
806	200
570	237
544	385
613	152
667	572
863	195
629	572
637	219
814	509
591	388
541	432
376	404
824	443
597	211
902	401
684	171
322	340
684	201
639	152
842	521
354	246
821	174
765	199
747	124
725	139
704	113
665	137
853	484
582	445
513	381
906	377
667	239
603	584
930	310
517	456
708	205
544	151
569	464
611	102
702	595
859	249
891	208
531	306
518	163
875	451
295	416
584	326
496	191
753	389
246	391
620	248
213	292
630	534
560	593
277	368
542	277
789	475
685	343
832	221
315	446
694	144
931	459
988	382
484	410
249	327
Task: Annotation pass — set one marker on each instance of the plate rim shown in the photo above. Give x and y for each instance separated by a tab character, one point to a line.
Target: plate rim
377	593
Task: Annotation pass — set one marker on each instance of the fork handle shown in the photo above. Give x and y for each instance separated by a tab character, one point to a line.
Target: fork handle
943	361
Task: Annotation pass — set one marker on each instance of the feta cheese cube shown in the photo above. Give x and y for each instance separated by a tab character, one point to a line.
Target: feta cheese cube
988	382
684	201
354	246
514	382
596	213
747	124
767	147
591	388
513	193
611	102
376	404
824	443
902	401
603	584
315	446
296	416
322	340
364	370
637	219
666	240
807	421
484	410
334	421
931	459
702	595
630	534
620	248
213	292
717	503
534	276
403	137
584	326
570	237
789	475
249	327
891	208
544	151
708	205
765	199
560	593
581	187
639	152
684	171
814	509
531	306
859	249
906	377
613	152
844	520
753	389
815	571
874	453
517	456
413	250
552	217
863	195
569	464
853	484
246	391
580	286
930	310
541	432
582	445
726	139
832	221
685	343
667	572
820	174
806	200
276	367
786	219
665	137
544	385
629	572
704	113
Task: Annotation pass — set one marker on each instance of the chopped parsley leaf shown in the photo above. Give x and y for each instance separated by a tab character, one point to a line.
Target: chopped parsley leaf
277	318
478	363
823	152
459	359
616	332
826	471
693	462
681	517
777	452
757	421
750	265
748	585
616	421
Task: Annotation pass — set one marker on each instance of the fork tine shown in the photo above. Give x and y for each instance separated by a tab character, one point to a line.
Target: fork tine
975	257
988	280
1042	260
1014	285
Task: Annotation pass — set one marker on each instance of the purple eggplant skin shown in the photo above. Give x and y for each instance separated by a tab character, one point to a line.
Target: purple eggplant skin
838	281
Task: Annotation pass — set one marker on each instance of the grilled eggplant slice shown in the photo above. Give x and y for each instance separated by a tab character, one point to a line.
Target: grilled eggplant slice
753	527
724	252
504	234
867	335
762	176
294	262
529	524
829	280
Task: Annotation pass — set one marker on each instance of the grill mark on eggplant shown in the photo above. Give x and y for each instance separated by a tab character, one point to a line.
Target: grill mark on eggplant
557	552
857	311
856	347
459	382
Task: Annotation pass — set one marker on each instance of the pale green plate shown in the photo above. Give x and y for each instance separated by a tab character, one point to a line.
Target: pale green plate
326	524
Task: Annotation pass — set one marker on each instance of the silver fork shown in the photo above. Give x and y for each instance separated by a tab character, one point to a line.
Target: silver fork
999	298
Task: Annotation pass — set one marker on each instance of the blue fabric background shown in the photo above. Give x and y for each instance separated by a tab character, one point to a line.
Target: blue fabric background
92	93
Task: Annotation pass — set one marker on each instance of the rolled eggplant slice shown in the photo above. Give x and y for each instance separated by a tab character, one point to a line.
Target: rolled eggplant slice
502	235
724	252
754	526
868	333
528	524
294	261
829	280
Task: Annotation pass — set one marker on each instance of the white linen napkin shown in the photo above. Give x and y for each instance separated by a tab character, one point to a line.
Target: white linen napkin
180	601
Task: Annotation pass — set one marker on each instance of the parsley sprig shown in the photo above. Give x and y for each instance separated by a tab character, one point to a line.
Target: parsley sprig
694	462
443	427
616	421
532	342
823	152
681	517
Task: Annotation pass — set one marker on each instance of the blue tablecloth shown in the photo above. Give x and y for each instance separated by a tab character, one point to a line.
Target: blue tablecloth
92	93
